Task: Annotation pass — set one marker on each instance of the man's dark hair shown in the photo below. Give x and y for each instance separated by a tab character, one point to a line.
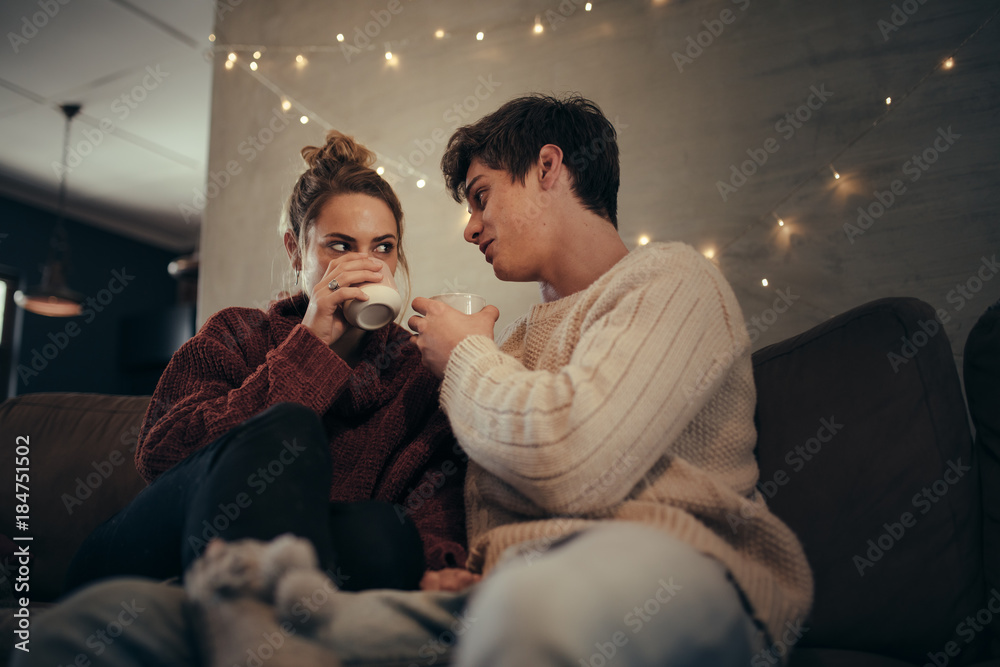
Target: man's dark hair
511	137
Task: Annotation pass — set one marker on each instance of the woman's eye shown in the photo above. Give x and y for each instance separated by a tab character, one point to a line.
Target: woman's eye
339	246
384	247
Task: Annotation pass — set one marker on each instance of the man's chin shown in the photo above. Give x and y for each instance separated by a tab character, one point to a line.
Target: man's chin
506	274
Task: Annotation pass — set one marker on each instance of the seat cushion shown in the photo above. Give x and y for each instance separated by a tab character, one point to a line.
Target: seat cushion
81	472
865	451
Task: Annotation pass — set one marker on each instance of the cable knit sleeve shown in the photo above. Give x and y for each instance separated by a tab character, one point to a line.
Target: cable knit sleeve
645	349
226	374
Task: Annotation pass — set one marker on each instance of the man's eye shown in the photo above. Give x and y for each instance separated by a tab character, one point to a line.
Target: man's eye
479	198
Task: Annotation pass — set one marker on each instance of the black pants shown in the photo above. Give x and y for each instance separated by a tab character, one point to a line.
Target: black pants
268	476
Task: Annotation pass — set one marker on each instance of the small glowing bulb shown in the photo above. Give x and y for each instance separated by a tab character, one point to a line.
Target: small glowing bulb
764	282
388	55
948	64
253	65
229	64
304	119
340	37
781	223
439	33
300	59
643	240
232	56
285	105
709	252
538	25
479	36
256	55
587	7
380	171
211	37
421	183
836	174
888	101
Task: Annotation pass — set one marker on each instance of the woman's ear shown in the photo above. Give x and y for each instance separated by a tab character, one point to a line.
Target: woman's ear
292	248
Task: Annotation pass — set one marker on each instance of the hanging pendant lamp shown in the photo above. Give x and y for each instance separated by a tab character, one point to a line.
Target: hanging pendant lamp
53	297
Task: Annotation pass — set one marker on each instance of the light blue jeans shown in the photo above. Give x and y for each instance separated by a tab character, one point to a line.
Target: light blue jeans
616	594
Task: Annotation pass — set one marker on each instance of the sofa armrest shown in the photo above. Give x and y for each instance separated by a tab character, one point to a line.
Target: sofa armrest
865	451
81	472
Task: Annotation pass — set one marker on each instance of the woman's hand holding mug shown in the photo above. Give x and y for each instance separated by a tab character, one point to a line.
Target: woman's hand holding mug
325	316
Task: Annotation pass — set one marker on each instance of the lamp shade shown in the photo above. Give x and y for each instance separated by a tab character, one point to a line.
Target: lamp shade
52	298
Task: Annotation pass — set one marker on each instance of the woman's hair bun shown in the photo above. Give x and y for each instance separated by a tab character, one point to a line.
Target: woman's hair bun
339	149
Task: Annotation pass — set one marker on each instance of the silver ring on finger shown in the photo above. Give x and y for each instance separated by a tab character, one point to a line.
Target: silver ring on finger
333	285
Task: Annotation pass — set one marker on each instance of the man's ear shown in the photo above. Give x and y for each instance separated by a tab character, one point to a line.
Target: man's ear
550	165
292	248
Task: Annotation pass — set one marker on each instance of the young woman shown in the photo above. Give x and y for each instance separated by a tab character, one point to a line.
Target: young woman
292	420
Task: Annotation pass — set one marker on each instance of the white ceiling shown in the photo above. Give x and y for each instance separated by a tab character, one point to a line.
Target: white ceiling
142	71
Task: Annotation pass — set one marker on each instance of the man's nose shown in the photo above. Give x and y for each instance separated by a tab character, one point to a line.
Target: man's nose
473	228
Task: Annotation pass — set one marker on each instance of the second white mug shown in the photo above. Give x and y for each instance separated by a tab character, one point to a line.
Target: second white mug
462	301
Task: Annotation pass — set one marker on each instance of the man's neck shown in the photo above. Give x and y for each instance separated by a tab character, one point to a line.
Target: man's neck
589	251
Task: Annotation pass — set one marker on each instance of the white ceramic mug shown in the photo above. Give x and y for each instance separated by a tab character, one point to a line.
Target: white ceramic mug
462	301
382	306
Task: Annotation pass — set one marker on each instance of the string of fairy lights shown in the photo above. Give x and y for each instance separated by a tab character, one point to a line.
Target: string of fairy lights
248	57
891	105
290	104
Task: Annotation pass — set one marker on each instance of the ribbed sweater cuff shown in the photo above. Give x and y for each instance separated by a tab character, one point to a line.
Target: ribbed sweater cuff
318	374
472	358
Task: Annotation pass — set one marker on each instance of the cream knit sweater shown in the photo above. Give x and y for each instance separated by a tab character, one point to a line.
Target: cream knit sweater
631	400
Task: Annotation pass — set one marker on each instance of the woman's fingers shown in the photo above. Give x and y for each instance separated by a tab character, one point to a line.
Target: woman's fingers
348	278
334	299
361	269
361	263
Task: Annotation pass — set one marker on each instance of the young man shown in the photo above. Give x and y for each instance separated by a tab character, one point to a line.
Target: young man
610	493
610	489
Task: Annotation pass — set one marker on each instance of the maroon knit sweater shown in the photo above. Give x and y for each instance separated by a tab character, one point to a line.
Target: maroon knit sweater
389	439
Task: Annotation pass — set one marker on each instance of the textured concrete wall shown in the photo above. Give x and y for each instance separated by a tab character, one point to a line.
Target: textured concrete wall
730	113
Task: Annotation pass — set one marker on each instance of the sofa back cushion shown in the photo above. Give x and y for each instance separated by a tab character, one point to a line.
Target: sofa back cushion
865	451
982	387
81	472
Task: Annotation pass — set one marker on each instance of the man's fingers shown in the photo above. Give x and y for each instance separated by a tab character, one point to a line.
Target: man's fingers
430	581
414	322
420	305
448	579
458	579
493	312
